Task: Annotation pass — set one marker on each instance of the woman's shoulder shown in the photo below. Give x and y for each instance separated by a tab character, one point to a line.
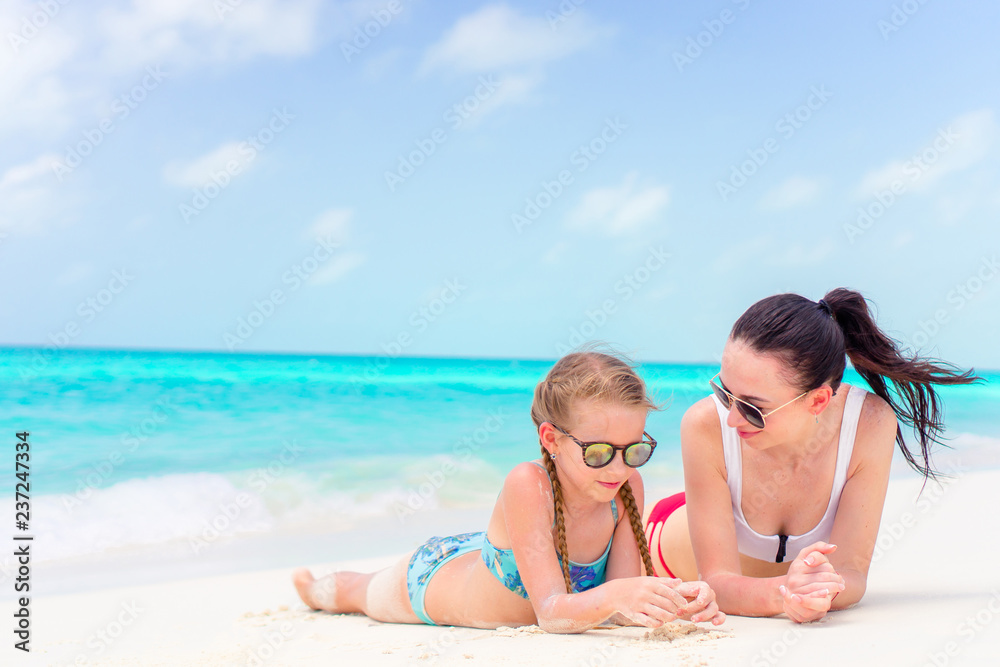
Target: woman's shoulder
875	439
878	417
876	413
701	417
701	438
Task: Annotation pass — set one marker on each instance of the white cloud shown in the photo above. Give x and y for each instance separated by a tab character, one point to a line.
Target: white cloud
74	274
951	207
26	193
555	253
376	66
198	172
961	143
498	37
29	61
797	255
904	238
736	256
499	40
620	209
661	293
61	69
765	252
333	222
793	192
31	171
188	32
338	267
511	89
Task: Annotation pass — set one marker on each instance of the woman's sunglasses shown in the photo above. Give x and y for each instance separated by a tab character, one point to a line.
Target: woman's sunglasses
750	412
600	454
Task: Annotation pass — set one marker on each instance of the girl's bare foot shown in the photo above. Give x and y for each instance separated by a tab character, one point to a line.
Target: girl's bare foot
316	593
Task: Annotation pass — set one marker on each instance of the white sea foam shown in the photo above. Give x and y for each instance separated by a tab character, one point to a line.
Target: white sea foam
201	508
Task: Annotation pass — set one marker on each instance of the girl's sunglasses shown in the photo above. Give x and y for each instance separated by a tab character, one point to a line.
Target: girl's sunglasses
750	412
600	454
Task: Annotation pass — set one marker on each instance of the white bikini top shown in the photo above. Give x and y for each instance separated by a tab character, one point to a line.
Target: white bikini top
780	548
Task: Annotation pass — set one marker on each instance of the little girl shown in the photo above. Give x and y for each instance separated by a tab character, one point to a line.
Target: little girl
564	548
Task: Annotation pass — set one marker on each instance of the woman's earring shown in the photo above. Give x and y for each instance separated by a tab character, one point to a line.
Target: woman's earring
817	419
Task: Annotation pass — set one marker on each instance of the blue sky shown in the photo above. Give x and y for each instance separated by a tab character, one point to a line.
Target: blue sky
501	180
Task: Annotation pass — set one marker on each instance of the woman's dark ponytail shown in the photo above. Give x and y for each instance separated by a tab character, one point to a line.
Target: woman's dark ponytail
813	340
877	358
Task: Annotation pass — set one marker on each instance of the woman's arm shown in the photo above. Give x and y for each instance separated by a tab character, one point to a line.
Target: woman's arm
710	517
855	528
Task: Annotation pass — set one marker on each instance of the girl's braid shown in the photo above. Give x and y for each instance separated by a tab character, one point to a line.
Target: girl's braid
550	466
636	520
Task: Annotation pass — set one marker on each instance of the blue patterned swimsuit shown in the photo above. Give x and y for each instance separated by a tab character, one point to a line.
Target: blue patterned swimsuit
437	551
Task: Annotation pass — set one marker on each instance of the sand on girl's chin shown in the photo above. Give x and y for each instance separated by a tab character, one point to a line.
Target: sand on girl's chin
933	598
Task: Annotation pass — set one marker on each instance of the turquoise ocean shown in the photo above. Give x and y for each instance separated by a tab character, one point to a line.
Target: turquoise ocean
134	450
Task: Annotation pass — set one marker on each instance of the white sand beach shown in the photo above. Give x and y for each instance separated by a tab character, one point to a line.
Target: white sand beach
933	598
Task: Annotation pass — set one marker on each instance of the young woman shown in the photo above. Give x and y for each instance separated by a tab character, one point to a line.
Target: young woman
785	467
564	547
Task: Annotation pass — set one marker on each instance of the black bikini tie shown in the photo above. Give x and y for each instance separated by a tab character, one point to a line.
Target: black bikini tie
782	539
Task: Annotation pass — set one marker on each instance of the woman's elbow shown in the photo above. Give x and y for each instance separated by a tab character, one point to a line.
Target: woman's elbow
849	597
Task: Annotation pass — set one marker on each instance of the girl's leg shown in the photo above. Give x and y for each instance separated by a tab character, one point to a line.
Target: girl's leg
380	595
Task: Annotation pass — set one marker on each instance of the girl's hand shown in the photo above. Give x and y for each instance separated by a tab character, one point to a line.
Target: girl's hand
811	584
701	605
647	601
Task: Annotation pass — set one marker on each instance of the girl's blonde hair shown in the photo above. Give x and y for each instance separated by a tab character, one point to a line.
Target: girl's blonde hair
592	376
